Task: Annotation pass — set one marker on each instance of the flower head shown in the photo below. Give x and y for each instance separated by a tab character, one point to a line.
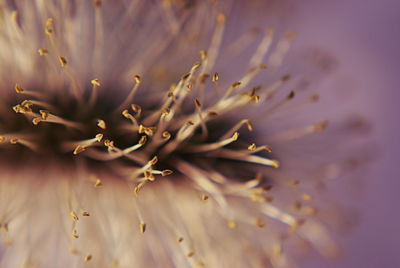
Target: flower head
121	148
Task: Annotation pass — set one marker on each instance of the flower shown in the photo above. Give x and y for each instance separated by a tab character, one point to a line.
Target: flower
213	170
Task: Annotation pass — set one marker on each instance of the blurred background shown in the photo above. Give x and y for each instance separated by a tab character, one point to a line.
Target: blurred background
365	37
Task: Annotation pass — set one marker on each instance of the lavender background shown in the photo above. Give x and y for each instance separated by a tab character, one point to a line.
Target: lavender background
365	34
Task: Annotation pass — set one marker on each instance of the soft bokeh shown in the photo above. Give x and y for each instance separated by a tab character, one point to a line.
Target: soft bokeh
364	35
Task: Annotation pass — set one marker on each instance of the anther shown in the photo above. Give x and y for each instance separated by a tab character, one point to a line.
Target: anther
98	183
74	216
203	55
101	124
62	61
85	214
74	234
87	258
43	51
18	88
95	82
79	149
142	227
49	26
166	172
215	77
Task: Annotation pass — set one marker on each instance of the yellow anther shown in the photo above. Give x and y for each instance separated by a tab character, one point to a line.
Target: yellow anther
267	148
153	161
79	149
85	214
235	136
49	26
255	99
74	216
196	66
179	239
74	234
186	76
2	139
44	114
43	51
95	82
138	188
166	172
149	131
249	125
13	141
203	55
149	176
215	77
36	120
136	108
142	140
275	163
109	144
166	135
141	129
138	79
101	124
126	114
165	111
18	88
98	183
142	227
252	147
87	258
99	137
62	61
236	84
204	197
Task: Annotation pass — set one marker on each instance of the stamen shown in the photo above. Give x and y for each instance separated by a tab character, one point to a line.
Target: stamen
20	90
128	100
282	48
93	95
262	49
215	44
212	146
80	146
230	154
299	133
236	127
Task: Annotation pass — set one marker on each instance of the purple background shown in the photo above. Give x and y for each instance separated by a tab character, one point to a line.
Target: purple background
366	36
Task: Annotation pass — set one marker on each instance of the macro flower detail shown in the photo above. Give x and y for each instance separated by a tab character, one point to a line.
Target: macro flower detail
126	141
